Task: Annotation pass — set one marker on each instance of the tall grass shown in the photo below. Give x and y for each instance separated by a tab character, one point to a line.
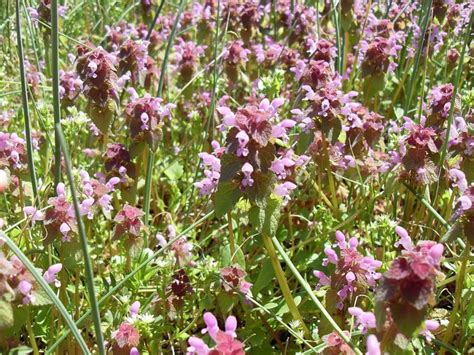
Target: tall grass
56	100
151	155
24	100
57	302
84	246
122	282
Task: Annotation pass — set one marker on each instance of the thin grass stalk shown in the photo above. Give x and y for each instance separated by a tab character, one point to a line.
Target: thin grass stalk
337	25
427	11
59	305
210	118
119	284
276	317
310	292
83	240
457	80
26	111
151	156
153	22
56	100
285	289
457	297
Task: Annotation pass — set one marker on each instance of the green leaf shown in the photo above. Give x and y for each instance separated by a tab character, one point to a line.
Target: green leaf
266	215
453	233
230	166
6	314
227	195
265	276
409	320
40	298
261	186
21	350
399	113
174	171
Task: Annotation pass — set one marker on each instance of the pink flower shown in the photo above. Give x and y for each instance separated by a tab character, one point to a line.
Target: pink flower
364	320
284	189
247	170
126	335
405	239
33	213
225	340
50	275
373	345
128	221
134	308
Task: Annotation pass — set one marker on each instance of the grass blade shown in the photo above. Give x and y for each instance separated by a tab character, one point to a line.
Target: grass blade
310	292
24	100
427	11
59	305
457	79
84	246
151	155
56	100
153	22
114	289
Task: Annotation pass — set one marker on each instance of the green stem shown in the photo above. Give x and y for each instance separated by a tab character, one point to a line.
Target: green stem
31	334
231	237
151	156
51	294
85	249
456	85
427	11
457	297
310	292
26	111
56	100
119	284
285	289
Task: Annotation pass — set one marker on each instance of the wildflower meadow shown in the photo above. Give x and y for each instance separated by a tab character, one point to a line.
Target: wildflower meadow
230	177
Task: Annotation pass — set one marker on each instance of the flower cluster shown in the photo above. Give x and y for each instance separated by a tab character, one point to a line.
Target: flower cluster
187	57
145	118
250	152
225	340
97	70
70	86
407	288
60	219
98	194
233	278
353	273
211	164
12	151
132	57
181	247
17	285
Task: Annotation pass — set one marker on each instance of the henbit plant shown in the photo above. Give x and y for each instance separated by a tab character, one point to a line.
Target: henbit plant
316	157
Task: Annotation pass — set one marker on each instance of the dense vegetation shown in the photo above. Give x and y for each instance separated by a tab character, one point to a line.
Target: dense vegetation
236	176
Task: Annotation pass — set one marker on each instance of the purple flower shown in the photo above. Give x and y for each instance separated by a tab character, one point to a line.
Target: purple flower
50	275
135	308
404	240
364	320
225	340
284	189
373	345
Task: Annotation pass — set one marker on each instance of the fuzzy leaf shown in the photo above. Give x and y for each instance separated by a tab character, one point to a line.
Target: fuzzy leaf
266	276
227	195
409	320
266	215
261	186
230	166
6	314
